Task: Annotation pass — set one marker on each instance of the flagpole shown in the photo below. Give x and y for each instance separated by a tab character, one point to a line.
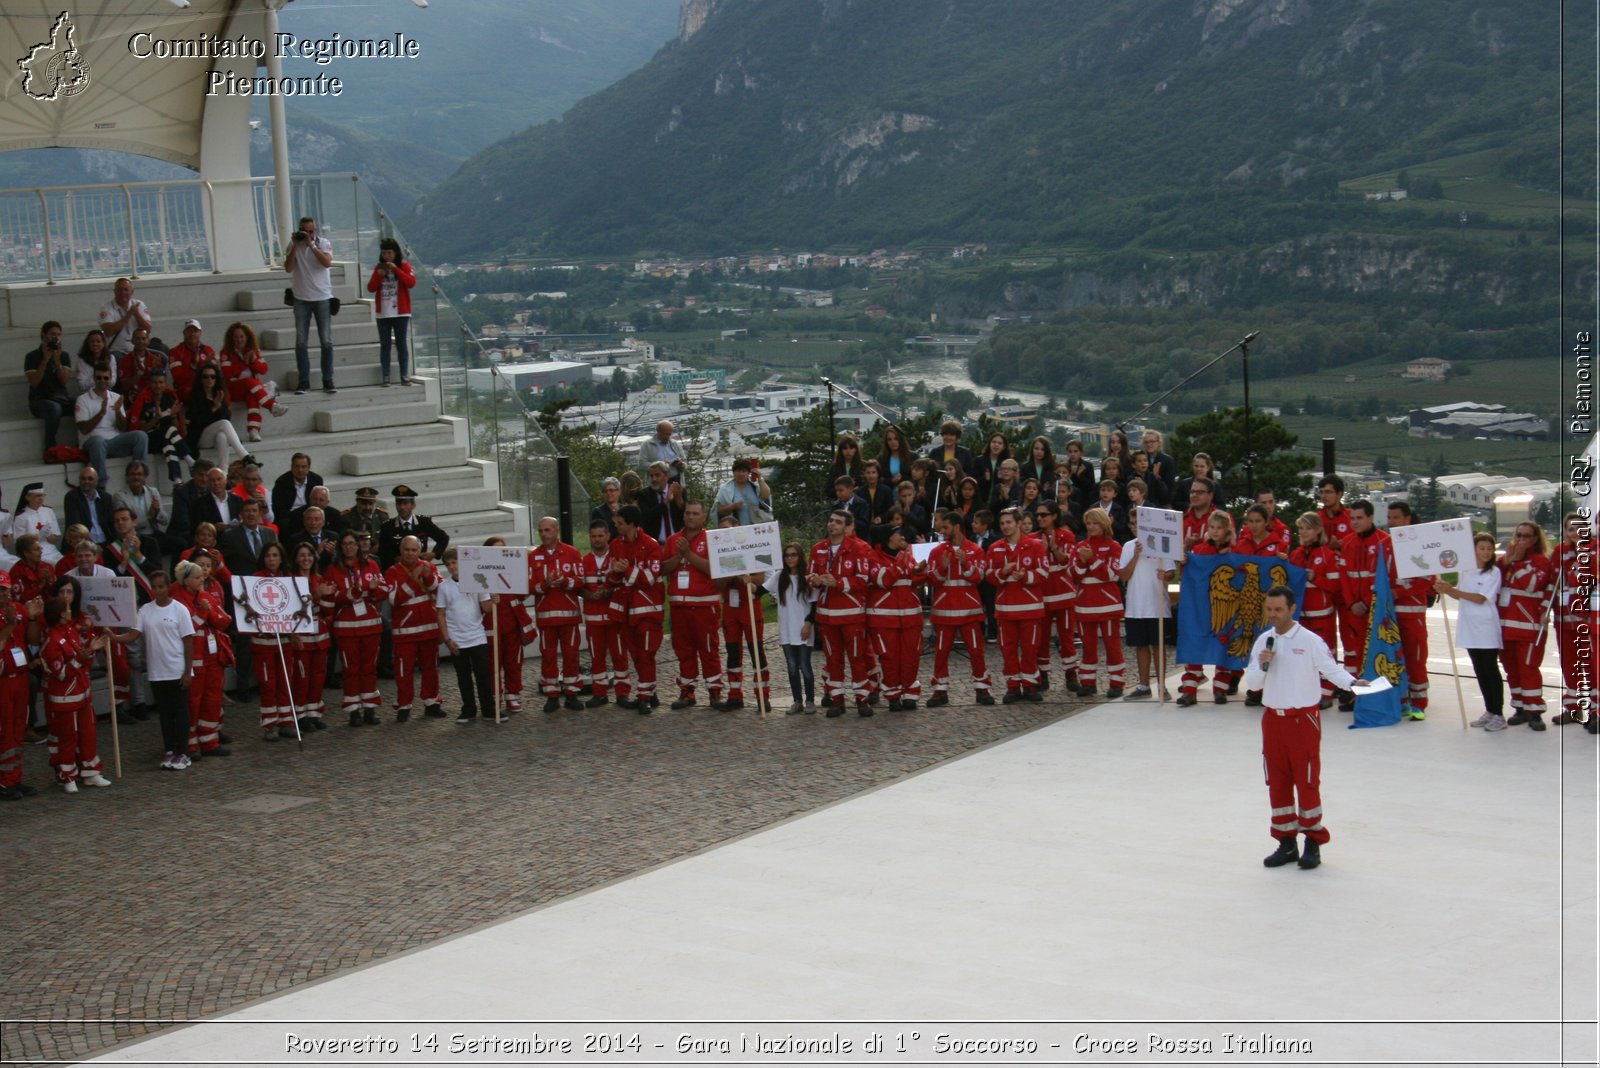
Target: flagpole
755	652
494	618
289	689
1455	669
111	694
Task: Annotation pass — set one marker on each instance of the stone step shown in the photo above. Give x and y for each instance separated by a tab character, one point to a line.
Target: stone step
352	330
376	415
267	300
411	458
171	298
356	374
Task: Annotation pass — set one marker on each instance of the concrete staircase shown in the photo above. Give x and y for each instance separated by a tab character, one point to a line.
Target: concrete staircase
362	435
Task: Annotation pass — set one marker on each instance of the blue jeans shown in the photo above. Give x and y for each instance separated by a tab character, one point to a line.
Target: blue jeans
798	660
51	412
133	445
393	330
304	310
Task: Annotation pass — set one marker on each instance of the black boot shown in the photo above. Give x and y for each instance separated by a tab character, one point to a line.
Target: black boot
572	703
1312	856
369	716
551	704
984	698
939	699
355	717
402	714
1287	853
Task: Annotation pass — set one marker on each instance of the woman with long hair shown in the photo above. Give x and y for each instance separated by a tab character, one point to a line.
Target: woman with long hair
846	461
1526	578
95	351
1080	474
1478	630
1119	448
243	368
356	592
212	654
272	669
1201	466
391	281
949	485
1040	464
209	416
310	665
796	613
895	457
1007	489
986	468
878	494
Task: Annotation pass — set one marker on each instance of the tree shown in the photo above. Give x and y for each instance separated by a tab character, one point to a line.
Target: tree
593	457
1221	435
1429	502
1380	464
800	493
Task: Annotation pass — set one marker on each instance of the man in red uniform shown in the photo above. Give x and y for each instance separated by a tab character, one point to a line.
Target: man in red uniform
1411	599
1060	593
1577	616
1359	558
412	584
1286	663
1269	500
186	357
1099	609
837	570
555	577
1337	525
602	620
955	571
14	661
636	571
1261	538
1324	586
894	617
1016	566
67	657
696	608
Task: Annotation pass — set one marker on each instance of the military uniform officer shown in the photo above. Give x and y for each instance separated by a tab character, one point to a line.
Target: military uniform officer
366	515
406	523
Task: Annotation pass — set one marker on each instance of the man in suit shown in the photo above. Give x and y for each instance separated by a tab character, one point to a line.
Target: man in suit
217	506
184	498
948	449
315	533
293	488
241	546
407	524
661	503
88	506
292	527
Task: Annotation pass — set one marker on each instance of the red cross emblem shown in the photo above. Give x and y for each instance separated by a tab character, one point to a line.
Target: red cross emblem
271	596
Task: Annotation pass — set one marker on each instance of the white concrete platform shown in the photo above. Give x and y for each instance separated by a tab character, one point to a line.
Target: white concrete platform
1093	882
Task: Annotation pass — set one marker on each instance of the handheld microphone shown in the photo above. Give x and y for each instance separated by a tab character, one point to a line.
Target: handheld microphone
1270	640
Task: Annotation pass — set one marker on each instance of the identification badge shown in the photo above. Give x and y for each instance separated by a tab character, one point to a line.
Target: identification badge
733	599
211	644
683	578
18	657
359	608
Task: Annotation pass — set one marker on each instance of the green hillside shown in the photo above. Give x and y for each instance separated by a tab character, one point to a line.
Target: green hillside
1158	124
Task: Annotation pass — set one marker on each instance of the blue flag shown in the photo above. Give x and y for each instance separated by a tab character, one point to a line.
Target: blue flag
1381	656
1220	605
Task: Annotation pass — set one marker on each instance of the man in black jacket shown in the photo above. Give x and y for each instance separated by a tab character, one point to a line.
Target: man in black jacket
293	488
407	524
661	503
88	506
947	449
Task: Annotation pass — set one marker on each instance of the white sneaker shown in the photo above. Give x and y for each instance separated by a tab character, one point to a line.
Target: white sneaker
253	434
1483	720
94	778
182	762
1138	693
167	761
279	410
1496	723
70	787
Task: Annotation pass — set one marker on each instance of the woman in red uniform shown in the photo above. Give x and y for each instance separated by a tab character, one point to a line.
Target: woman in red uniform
356	591
277	706
211	655
1525	592
1016	566
242	370
894	616
310	663
517	630
1324	586
1097	612
68	652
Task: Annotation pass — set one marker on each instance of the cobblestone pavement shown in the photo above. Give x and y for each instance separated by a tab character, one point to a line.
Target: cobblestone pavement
153	902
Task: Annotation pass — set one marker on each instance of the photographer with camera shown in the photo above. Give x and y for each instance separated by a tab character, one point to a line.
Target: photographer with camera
308	261
47	371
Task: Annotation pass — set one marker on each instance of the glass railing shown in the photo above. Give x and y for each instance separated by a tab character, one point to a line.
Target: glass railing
500	424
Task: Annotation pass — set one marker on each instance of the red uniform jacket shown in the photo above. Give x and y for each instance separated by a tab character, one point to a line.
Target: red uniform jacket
601	606
1359	556
1524	596
955	575
1060	586
1099	596
559	605
1324	579
688	589
845	603
892	601
1021	595
415	617
357	593
643	598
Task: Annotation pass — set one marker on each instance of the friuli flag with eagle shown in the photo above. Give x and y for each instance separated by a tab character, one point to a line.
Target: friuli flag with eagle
1221	605
1381	656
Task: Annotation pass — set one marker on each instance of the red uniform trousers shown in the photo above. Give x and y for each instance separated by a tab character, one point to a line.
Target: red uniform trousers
844	647
1091	634
1576	632
1291	754
643	639
73	745
694	642
1327	628
1414	650
1524	680
736	635
1352	638
558	659
1195	674
608	660
205	699
250	391
13	724
1019	651
899	653
1059	621
358	651
277	709
310	667
944	639
410	657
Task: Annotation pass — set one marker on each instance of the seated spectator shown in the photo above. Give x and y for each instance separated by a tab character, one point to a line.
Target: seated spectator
315	533
243	368
47	373
156	410
90	507
120	318
134	367
294	527
209	417
292	490
216	505
129	554
186	358
184	496
103	425
144	501
250	487
94	351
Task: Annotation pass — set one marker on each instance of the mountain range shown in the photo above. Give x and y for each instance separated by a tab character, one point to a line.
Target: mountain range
858	123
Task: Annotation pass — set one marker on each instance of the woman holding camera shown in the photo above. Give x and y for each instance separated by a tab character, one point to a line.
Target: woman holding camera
391	281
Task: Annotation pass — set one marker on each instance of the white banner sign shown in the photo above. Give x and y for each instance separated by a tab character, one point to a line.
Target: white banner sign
109	600
1432	548
494	569
1161	533
744	550
270	604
